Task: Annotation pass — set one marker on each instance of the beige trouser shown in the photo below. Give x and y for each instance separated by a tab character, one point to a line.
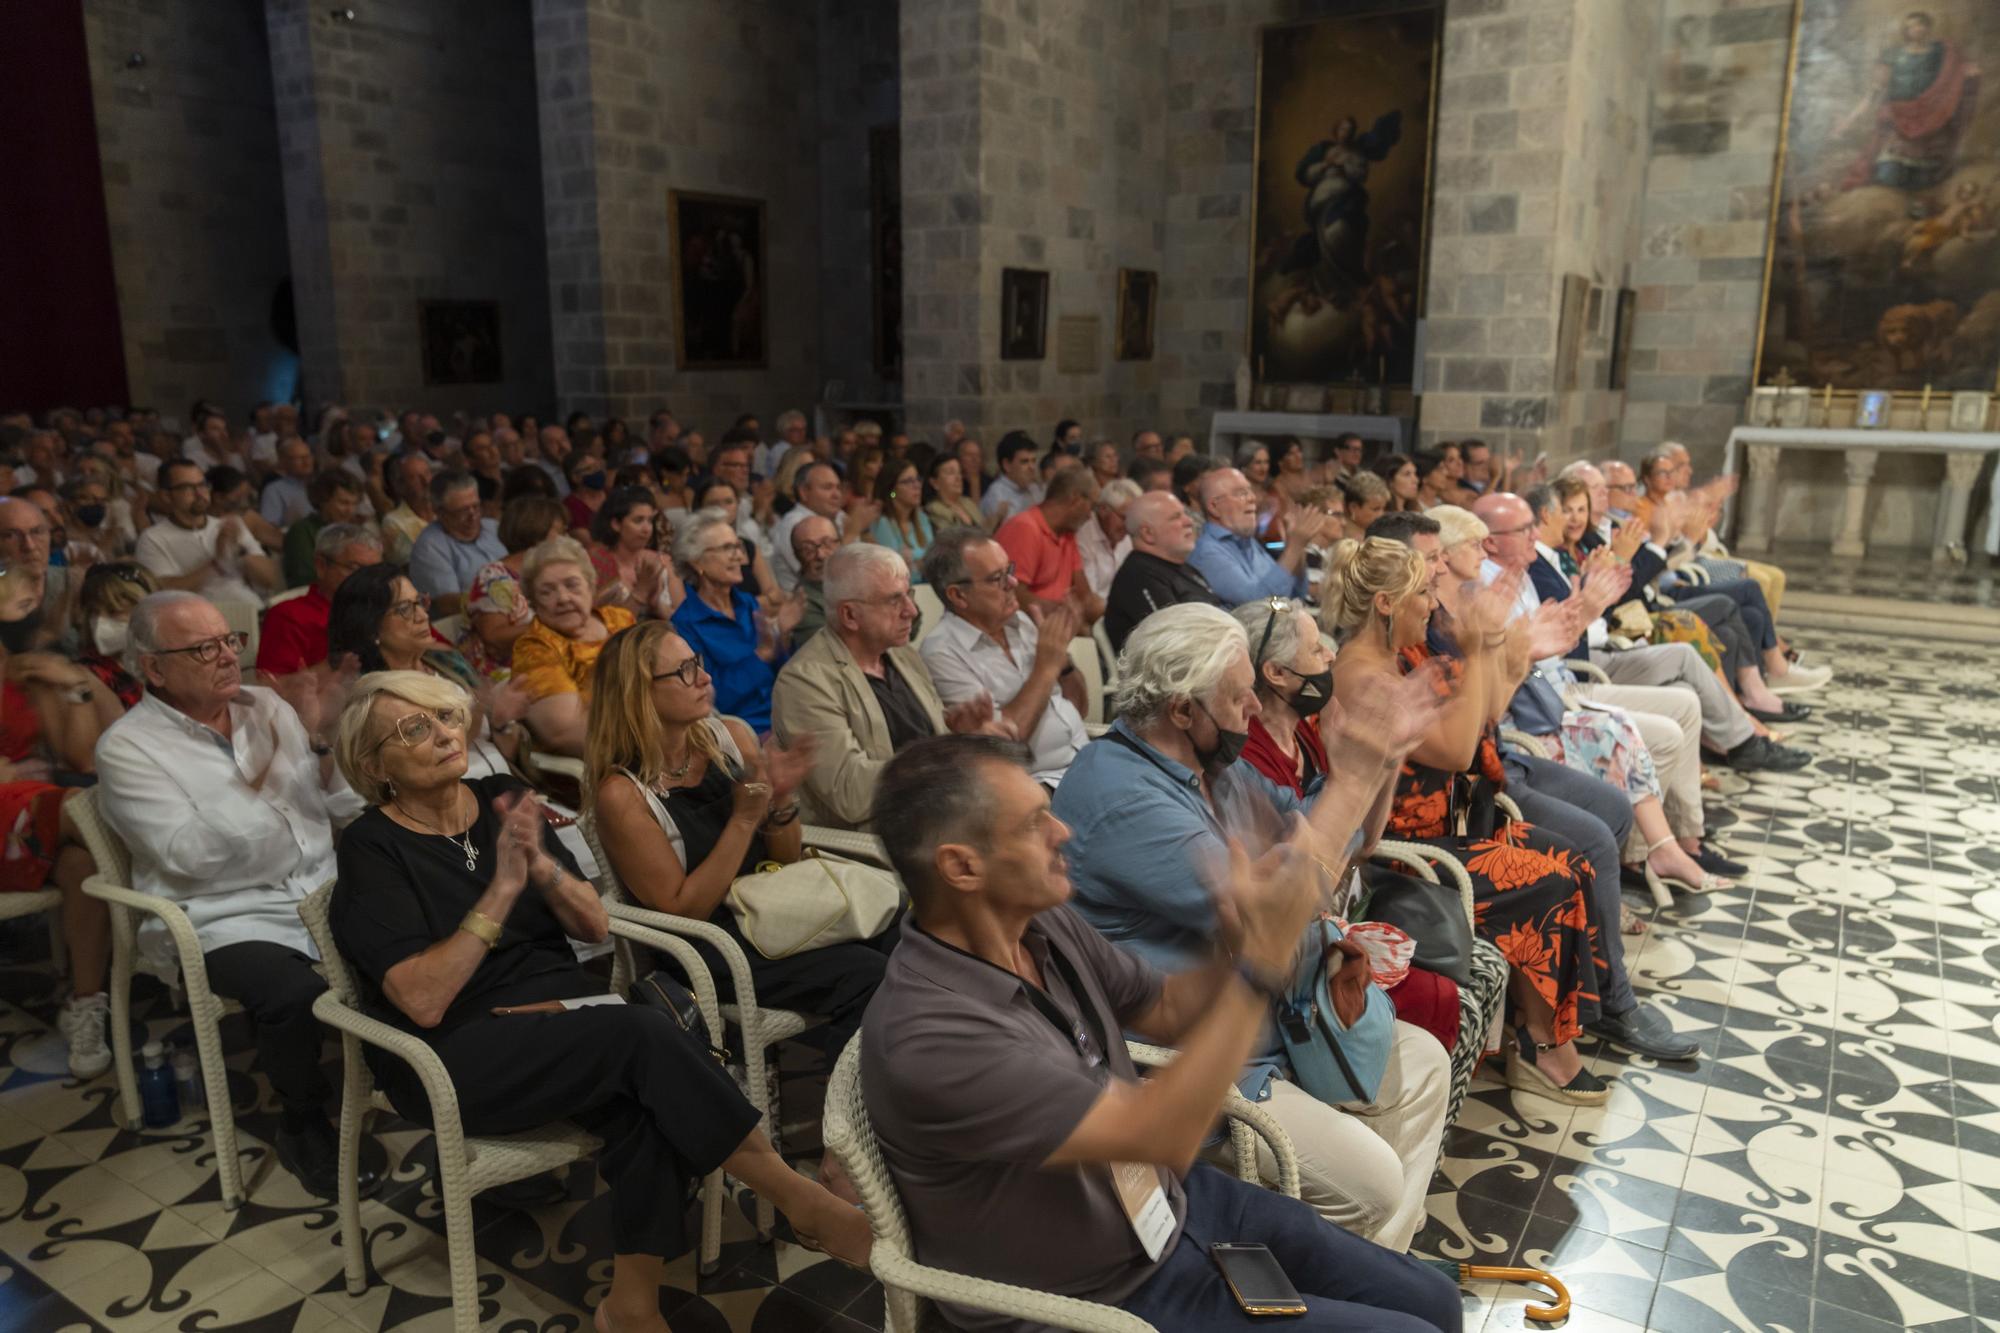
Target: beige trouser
1367	1166
1669	718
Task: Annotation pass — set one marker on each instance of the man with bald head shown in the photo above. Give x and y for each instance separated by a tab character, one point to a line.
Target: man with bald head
813	539
1228	553
1156	573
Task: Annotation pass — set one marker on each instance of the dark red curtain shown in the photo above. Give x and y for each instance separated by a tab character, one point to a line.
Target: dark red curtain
59	332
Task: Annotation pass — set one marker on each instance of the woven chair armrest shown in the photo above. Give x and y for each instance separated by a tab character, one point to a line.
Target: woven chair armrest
187	945
847	842
548	761
1525	743
412	1051
1505	805
742	984
1236	1107
978	1293
1415	857
1096	729
1150	1057
691	962
1583	670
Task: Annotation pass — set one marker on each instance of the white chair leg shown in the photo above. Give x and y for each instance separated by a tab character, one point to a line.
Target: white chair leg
352	1114
122	946
756	1074
712	1190
464	1261
221	1116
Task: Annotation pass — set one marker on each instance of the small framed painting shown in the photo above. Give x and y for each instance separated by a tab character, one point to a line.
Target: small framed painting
1968	411
1872	408
1138	292
461	341
1024	314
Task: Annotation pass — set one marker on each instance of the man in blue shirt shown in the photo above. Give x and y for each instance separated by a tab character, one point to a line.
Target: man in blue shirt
1159	801
459	543
1228	553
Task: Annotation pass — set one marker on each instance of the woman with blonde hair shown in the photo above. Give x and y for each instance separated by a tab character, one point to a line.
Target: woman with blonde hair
1530	888
684	801
455	908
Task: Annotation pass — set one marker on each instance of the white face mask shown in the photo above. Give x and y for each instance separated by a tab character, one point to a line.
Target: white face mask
112	635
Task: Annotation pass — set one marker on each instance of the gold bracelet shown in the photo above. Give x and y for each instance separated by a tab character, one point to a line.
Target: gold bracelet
481	927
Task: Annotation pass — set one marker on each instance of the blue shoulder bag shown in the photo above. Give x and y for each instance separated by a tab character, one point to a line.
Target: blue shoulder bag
1334	1062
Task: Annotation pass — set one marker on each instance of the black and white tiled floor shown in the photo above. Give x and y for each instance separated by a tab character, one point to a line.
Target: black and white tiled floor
1831	1163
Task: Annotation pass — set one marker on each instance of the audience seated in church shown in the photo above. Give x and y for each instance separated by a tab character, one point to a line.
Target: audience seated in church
497	607
456	900
285	498
294	633
104	612
686	801
336	497
1102	542
860	690
631	570
192	550
815	490
1018	486
1151	808
1042	542
904	527
406	481
456	545
1532	887
1398	472
987	647
1228	553
812	542
743	641
589	482
1157	573
221	792
553	656
1364	497
986	1106
951	504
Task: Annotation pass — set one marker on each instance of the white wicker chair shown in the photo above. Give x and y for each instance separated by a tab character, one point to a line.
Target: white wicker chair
762	1027
1247	1123
1083	654
206	1009
930	608
1102	636
906	1284
466	1165
1588	671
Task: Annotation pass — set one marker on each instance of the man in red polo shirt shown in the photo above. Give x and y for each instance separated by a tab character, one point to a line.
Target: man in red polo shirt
1042	544
294	632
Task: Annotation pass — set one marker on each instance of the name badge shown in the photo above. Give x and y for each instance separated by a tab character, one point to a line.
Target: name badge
1145	1204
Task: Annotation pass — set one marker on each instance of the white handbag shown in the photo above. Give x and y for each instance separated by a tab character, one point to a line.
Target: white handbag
815	901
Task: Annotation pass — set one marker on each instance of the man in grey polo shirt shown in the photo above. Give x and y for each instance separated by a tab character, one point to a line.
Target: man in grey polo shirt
1023	1145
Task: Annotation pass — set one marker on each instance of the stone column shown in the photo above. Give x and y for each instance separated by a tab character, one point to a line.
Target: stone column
1756	534
1961	469
1853	540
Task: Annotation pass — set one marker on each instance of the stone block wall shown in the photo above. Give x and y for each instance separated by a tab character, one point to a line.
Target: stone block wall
858	93
411	175
1718	87
189	149
640	97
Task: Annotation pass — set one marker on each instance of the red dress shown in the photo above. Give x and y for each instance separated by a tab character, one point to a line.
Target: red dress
30	810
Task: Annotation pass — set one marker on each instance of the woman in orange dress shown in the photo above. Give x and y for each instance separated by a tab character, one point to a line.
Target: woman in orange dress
1530	887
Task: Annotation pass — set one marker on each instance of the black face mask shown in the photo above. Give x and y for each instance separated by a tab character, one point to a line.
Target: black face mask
1312	693
90	515
1228	745
18	636
592	481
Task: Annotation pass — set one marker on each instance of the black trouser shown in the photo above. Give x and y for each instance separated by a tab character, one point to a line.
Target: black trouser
1725	618
667	1112
835	982
276	986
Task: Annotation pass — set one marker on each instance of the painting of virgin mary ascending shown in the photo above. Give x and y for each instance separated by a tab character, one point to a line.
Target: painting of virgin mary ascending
1885	256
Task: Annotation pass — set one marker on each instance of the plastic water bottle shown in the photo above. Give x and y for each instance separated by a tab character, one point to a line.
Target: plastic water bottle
159	1104
187	1078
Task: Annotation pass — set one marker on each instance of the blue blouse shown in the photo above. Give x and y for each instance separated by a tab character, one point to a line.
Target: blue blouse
728	649
886	533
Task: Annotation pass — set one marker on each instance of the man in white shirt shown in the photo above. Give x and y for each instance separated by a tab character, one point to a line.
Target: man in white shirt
791	435
816	488
220	791
410	481
1102	540
195	551
284	501
986	645
263	438
1019	485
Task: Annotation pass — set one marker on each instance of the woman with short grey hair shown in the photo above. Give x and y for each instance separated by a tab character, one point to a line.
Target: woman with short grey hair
1294	683
741	640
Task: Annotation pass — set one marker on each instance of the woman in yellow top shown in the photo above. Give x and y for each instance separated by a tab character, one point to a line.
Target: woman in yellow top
554	658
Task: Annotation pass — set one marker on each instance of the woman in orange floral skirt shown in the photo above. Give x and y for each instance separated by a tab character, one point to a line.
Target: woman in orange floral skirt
1529	886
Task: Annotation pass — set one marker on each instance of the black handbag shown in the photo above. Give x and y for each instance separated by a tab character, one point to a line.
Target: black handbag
1431	914
660	989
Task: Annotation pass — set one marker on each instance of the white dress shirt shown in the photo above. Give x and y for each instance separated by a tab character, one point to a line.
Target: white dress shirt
1100	558
168	550
963	662
236	855
1002	490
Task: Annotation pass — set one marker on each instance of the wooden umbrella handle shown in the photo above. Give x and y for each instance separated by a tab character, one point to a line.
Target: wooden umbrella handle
1543	1314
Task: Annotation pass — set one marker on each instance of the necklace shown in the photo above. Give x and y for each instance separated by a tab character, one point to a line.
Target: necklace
676	774
463	840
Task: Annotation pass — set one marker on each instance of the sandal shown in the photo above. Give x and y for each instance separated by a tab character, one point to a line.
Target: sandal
1523	1074
1709	882
1629	921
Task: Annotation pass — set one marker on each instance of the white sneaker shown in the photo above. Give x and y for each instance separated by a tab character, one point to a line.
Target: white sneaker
1799	679
82	1023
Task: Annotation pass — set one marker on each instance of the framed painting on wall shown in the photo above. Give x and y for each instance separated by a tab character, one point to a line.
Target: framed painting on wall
885	222
1340	195
1621	337
461	341
717	242
1884	264
1024	314
1138	295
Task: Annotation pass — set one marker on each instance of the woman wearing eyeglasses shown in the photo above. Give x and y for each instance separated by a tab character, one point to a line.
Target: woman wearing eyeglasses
1294	683
382	623
456	900
743	639
553	659
904	526
686	801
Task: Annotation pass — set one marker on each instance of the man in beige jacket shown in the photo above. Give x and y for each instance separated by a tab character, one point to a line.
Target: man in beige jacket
859	688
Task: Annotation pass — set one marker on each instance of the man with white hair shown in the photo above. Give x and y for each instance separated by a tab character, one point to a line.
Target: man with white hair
791	426
1156	574
860	690
456	545
1102	541
1228	553
220	790
817	492
1157	801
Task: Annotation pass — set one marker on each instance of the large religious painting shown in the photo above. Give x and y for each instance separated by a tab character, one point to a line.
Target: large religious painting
1344	114
1885	256
718	249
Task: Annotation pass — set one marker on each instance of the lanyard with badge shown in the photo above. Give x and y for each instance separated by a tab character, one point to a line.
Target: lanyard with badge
1138	1184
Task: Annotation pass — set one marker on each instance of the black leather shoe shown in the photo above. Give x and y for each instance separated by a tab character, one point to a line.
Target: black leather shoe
1715	863
1760	753
1644	1030
312	1154
1791	712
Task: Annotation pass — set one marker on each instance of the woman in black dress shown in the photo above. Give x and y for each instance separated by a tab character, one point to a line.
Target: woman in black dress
456	900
